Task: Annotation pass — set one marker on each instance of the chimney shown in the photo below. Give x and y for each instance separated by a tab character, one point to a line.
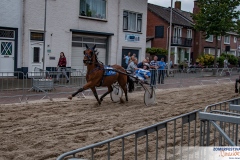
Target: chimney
178	5
196	8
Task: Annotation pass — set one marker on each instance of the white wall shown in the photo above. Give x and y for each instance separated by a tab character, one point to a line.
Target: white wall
139	6
11	16
64	15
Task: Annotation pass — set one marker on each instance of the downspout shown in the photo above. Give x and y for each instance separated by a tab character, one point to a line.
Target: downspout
167	37
23	28
118	30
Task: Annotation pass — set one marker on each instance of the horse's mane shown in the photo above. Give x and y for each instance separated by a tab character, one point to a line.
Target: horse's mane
96	59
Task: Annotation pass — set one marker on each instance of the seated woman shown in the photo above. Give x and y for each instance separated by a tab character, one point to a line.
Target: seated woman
143	74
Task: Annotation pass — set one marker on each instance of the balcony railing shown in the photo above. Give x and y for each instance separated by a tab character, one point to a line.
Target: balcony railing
181	41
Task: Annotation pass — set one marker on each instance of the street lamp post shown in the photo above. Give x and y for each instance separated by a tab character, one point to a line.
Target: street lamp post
44	35
169	39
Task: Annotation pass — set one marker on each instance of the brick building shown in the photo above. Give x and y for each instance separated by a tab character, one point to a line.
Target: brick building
186	43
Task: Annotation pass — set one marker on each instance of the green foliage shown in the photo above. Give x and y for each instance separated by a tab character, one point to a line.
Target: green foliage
205	59
231	59
216	17
238	28
157	51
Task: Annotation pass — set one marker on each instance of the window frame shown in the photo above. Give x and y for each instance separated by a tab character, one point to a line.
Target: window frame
39	59
189	32
94	18
235	39
209	39
225	42
155	36
138	23
36	39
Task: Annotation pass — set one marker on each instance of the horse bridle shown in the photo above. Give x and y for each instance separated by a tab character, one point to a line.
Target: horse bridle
89	58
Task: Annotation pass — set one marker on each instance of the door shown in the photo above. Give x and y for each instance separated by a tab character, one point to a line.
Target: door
126	51
7	57
36	56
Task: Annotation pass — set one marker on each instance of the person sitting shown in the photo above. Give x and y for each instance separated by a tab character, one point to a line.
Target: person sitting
140	65
143	74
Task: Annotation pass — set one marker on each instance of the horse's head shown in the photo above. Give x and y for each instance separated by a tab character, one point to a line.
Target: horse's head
89	55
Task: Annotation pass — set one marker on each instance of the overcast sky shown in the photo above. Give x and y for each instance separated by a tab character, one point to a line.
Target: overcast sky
186	5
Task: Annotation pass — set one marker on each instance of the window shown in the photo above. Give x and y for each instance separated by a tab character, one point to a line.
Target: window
93	8
159	31
132	21
210	38
235	40
7	34
226	39
81	41
177	35
219	38
36	55
36	36
6	48
189	33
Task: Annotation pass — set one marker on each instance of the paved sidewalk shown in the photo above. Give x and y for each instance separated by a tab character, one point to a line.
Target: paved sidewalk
17	95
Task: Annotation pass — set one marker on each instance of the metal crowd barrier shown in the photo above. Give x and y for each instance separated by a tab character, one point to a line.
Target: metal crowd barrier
166	140
18	84
219	124
12	85
216	125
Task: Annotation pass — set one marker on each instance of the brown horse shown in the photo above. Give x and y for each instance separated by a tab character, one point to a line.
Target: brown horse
95	76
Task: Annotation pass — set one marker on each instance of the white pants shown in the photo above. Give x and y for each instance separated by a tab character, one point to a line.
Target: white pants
61	71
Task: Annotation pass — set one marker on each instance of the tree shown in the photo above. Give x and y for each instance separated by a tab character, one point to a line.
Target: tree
216	17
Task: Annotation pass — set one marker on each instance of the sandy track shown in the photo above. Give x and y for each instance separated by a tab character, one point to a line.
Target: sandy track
44	130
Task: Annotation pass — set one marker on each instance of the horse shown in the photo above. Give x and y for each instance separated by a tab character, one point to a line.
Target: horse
95	76
236	85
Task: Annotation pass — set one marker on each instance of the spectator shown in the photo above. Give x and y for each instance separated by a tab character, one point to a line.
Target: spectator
61	67
161	68
131	68
225	62
153	66
140	65
126	58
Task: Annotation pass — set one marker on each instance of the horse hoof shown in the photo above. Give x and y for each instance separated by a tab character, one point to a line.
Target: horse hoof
70	97
121	100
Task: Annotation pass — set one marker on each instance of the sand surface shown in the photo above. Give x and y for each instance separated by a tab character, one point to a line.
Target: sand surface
42	130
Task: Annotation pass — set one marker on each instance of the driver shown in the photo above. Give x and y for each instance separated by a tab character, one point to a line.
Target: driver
143	74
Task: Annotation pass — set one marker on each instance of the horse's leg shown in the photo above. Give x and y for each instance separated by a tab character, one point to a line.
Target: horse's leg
85	87
110	89
125	91
123	85
95	94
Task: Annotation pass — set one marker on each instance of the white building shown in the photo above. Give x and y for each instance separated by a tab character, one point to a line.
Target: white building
11	21
116	27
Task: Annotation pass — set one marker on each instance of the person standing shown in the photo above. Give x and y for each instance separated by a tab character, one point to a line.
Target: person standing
161	71
61	67
132	67
225	62
153	66
126	59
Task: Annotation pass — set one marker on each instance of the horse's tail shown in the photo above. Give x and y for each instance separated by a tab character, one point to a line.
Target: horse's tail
130	84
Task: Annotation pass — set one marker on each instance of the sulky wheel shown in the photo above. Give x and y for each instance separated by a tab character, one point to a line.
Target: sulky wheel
148	99
116	94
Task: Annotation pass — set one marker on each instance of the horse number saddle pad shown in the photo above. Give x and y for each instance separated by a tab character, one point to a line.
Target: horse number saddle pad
109	71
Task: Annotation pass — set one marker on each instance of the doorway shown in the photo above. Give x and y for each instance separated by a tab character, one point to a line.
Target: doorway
126	51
